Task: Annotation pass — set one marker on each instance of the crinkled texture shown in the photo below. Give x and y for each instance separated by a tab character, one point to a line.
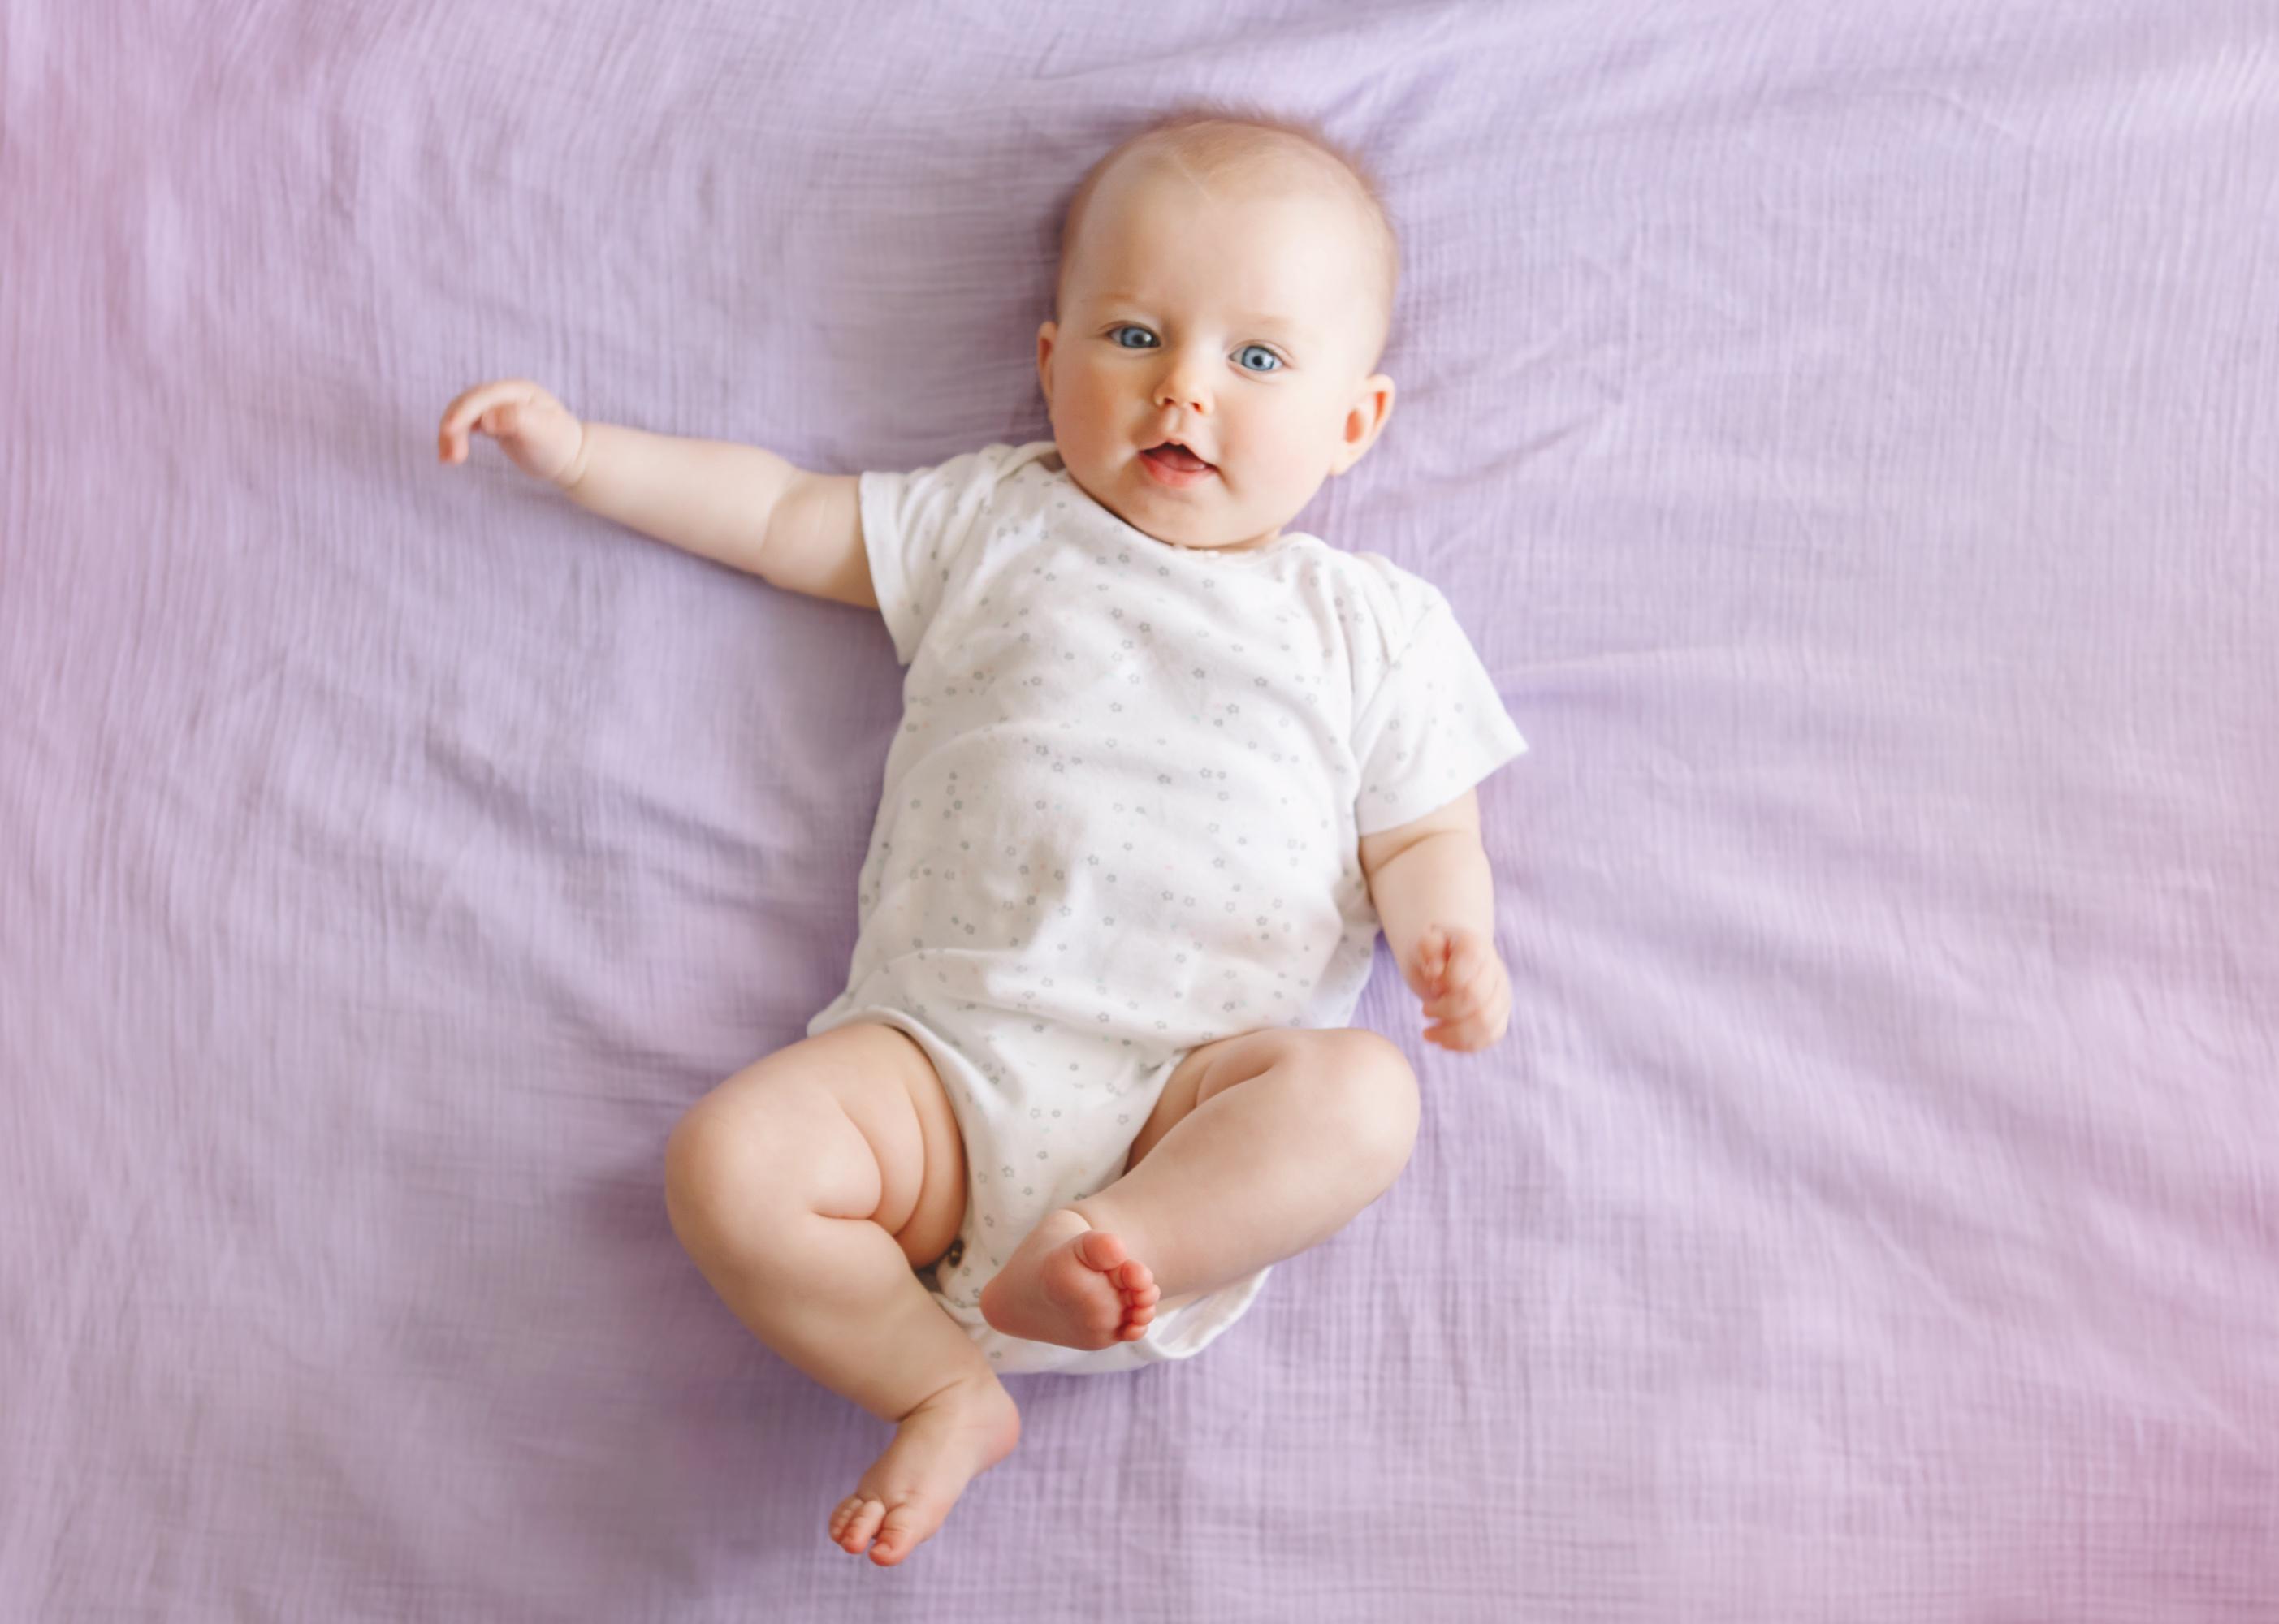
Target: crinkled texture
1844	433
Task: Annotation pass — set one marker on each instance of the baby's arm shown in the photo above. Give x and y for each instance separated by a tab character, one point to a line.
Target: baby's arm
705	497
1435	898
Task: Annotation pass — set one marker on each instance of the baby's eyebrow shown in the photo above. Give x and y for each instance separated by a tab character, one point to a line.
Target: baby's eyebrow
1279	324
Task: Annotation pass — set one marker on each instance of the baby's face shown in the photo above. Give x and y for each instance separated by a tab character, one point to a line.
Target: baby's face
1238	323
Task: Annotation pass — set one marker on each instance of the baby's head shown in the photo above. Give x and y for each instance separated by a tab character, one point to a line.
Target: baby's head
1226	281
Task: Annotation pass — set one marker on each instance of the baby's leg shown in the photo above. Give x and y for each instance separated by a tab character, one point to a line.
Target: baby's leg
805	1187
1261	1146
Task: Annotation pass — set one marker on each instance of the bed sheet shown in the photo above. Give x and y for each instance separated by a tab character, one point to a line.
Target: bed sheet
1846	432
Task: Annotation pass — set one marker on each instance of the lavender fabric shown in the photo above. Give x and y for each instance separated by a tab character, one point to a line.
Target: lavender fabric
1846	432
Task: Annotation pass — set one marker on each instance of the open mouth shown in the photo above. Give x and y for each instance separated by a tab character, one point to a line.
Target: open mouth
1173	457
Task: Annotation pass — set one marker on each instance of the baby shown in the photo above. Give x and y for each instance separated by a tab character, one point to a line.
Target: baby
1164	771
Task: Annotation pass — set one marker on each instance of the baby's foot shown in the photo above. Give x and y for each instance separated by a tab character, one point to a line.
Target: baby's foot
939	1447
1072	1284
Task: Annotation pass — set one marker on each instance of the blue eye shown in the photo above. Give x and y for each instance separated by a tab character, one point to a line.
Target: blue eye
1115	335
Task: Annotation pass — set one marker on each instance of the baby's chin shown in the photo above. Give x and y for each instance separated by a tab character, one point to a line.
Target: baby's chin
1197	536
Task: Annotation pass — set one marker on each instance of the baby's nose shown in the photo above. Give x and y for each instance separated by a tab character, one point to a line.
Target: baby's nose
1181	385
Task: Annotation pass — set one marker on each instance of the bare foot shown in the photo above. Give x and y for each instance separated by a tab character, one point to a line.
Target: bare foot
939	1447
1071	1283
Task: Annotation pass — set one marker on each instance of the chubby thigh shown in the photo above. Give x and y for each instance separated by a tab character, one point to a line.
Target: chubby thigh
856	1122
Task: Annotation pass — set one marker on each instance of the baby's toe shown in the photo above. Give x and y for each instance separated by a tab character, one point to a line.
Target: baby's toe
1100	1251
906	1525
857	1517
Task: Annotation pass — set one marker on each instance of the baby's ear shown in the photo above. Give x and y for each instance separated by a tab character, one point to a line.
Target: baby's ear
1365	421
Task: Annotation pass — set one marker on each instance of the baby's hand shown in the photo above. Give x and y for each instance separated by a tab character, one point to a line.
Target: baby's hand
1466	989
535	430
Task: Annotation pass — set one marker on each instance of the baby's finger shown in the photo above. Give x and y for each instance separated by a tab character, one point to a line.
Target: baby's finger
1468	1033
465	412
1457	1001
1467	985
465	408
1478	1027
1421	972
1448	1036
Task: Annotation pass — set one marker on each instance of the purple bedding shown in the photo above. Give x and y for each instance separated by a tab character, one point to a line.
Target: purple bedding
1847	434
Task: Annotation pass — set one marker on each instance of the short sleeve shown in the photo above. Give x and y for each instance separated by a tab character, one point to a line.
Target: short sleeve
1435	727
916	526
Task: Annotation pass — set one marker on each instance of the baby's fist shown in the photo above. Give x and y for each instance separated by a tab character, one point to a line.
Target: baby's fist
535	430
1465	987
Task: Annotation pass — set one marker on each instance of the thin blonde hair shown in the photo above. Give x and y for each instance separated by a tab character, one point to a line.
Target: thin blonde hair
1208	138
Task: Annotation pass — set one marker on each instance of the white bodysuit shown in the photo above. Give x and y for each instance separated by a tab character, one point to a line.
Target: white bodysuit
1121	818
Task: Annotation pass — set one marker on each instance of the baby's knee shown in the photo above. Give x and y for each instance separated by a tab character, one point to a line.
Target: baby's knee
697	1174
1373	1088
728	1179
